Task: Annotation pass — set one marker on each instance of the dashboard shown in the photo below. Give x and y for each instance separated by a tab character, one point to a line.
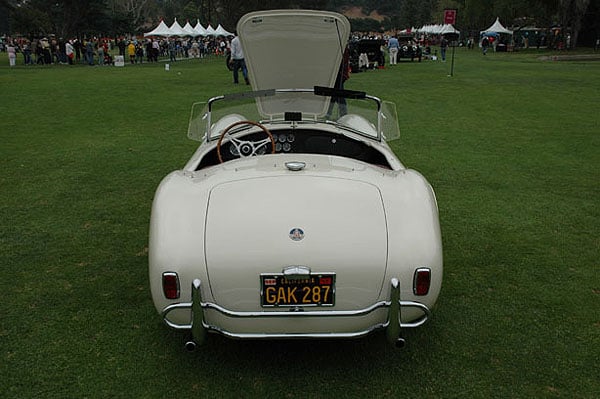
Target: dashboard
299	141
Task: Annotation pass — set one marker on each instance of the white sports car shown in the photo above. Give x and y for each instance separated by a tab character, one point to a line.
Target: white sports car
294	218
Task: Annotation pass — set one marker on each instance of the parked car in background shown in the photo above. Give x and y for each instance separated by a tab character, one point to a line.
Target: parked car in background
366	54
409	48
294	219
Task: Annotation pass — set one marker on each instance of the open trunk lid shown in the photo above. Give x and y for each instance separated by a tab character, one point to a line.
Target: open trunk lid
253	227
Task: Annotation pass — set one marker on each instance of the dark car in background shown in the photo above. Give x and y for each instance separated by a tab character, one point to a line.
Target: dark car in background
366	54
409	48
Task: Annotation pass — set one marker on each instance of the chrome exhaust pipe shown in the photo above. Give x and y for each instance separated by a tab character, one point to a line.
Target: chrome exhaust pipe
190	346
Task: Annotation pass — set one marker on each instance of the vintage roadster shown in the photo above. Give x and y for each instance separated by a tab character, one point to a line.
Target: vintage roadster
294	218
409	48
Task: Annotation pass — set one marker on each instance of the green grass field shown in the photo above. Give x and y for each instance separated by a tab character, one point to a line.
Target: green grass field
510	144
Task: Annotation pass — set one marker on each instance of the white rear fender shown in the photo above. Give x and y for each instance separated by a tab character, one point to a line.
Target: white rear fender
177	234
414	233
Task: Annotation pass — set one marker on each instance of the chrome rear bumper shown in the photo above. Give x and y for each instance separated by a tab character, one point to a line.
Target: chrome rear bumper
199	328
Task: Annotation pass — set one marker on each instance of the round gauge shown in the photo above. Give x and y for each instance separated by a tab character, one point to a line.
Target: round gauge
274	137
287	147
281	138
291	138
278	147
233	150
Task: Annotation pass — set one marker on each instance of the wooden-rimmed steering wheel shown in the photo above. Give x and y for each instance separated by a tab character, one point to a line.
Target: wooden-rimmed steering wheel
245	148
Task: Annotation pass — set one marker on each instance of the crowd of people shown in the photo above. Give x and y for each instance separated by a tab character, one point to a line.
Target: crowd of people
134	50
102	51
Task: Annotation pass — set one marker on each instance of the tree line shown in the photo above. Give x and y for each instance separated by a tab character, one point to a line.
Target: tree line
70	18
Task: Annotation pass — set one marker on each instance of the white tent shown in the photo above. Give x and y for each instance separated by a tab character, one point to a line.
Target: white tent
437	29
210	31
220	31
189	30
200	29
424	29
448	28
177	30
161	30
497	28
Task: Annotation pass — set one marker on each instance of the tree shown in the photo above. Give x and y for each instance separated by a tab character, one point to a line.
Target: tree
191	12
590	30
31	21
130	16
77	17
571	16
64	18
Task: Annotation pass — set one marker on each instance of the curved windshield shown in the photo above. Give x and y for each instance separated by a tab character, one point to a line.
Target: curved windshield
349	110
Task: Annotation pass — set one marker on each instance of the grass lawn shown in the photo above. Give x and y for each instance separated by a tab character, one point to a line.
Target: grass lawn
510	144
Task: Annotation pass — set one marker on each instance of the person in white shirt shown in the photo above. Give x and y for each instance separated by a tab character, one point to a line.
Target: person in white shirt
12	54
237	61
70	51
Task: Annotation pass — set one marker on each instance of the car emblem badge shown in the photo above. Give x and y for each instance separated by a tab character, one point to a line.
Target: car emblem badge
296	234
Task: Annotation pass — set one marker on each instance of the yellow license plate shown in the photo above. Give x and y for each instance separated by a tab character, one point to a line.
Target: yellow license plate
314	290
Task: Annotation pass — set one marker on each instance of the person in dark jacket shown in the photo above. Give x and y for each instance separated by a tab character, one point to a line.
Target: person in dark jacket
485	44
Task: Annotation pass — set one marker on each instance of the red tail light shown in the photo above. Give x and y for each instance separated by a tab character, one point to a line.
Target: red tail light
170	283
422	281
